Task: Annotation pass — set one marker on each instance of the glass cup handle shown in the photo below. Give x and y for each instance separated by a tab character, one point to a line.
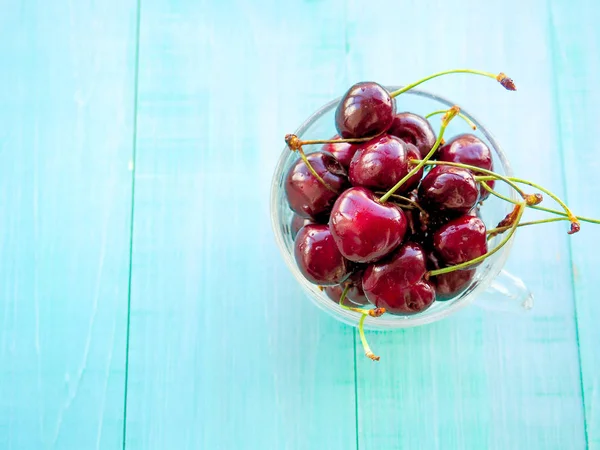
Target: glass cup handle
506	293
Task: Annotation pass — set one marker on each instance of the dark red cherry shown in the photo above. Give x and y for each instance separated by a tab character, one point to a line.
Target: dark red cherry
414	129
318	257
381	162
364	229
448	189
354	296
396	283
297	223
450	285
342	151
306	195
468	149
366	109
460	240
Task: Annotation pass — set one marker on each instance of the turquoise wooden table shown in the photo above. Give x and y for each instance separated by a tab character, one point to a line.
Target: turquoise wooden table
143	302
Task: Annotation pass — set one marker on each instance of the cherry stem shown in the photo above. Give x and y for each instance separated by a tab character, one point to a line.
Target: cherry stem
450	114
575	226
461	115
312	170
364	313
407	200
376	312
506	82
477	169
521	208
336	141
494	231
539	208
363	339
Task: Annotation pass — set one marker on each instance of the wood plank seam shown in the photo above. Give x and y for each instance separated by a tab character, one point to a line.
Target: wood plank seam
560	137
132	214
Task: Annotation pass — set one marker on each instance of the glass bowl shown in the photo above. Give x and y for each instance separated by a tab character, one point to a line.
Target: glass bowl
491	284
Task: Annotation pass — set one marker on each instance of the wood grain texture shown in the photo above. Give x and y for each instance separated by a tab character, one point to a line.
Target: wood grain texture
575	45
480	379
225	352
66	109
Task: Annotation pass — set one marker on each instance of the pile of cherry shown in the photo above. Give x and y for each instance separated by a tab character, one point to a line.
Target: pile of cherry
386	213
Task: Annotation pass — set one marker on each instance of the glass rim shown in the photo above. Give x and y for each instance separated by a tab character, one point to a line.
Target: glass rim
383	323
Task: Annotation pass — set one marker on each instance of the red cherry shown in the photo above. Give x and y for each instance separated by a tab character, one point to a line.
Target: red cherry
460	240
366	109
449	189
318	257
450	285
396	283
354	296
342	151
414	129
306	195
381	162
468	149
364	229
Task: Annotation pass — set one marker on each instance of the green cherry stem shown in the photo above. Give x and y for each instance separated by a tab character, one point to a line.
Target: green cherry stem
506	82
521	207
494	175
364	313
450	114
336	141
539	208
312	170
461	115
363	339
575	226
412	203
494	231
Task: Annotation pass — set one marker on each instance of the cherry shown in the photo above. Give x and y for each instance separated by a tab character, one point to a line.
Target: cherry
381	162
297	223
318	257
366	109
414	129
354	296
460	240
468	149
451	284
449	189
342	151
364	229
306	195
396	283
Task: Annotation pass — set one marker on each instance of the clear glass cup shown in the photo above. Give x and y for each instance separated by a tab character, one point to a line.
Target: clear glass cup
492	287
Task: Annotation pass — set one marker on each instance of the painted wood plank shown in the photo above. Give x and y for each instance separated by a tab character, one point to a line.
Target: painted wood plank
225	352
575	42
66	110
479	379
